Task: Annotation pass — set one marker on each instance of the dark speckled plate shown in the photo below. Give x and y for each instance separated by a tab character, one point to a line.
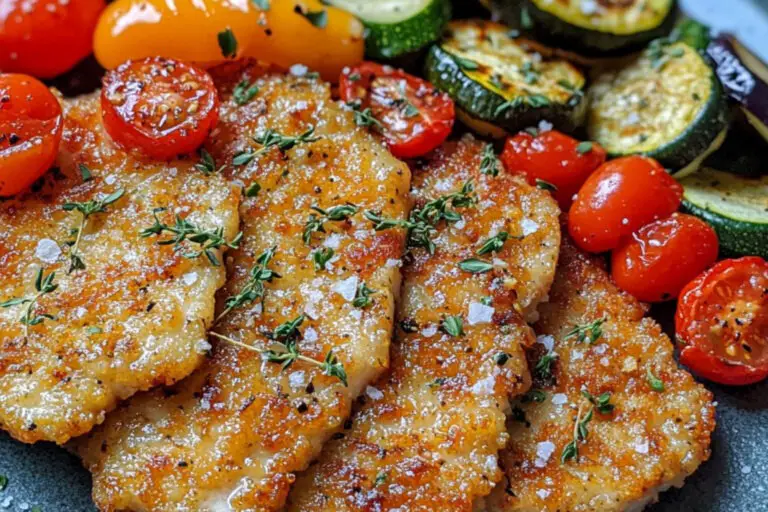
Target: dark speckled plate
735	479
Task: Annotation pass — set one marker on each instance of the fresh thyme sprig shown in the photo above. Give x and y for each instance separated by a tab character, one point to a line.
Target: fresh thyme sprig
207	165
490	163
272	138
589	332
364	117
183	230
44	284
244	92
254	287
580	430
286	350
493	244
363	296
86	209
321	257
422	221
543	367
316	223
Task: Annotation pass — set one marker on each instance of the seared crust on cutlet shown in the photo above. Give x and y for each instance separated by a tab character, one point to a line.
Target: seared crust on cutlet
232	435
426	436
652	440
136	316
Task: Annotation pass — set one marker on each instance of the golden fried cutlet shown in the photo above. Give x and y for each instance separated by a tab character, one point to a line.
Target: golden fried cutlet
651	439
132	314
427	435
232	435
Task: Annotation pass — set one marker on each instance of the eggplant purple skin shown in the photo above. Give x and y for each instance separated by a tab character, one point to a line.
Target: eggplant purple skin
739	81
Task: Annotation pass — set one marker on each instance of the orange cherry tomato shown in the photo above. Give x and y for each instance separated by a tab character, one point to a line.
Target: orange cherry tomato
45	38
159	106
30	131
659	259
553	158
618	199
722	322
412	115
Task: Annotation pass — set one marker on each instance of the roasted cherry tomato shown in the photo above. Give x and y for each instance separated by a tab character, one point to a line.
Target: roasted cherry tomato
412	115
618	199
659	259
159	106
553	158
30	131
45	38
722	322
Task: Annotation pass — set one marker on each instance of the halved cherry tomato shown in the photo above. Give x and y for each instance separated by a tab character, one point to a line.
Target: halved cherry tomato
160	106
659	259
618	199
553	158
722	322
45	38
30	131
414	116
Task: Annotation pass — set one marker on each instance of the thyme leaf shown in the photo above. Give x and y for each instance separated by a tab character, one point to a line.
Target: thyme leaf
254	287
44	284
590	332
86	209
316	223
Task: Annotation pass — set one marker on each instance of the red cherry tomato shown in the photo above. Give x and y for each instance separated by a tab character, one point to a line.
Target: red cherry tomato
658	260
722	322
30	131
618	199
554	158
161	107
413	116
45	38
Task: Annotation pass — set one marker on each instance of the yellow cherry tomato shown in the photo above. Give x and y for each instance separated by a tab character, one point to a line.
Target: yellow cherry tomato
296	32
181	29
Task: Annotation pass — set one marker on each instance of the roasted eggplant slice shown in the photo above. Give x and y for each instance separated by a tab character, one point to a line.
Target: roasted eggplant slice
501	83
735	206
667	104
598	27
745	78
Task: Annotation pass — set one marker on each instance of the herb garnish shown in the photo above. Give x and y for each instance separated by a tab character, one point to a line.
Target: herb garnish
545	185
227	43
453	326
381	477
3	482
85	172
465	64
543	368
475	266
252	190
286	351
244	92
656	383
254	287
316	223
493	244
271	138
207	165
316	18
363	296
590	332
580	431
501	358
601	403
86	209
321	257
183	230
44	284
584	147
534	395
364	117
490	163
262	4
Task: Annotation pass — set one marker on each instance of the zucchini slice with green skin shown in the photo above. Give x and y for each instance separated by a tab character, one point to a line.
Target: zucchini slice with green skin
394	28
667	104
745	78
598	28
504	84
735	206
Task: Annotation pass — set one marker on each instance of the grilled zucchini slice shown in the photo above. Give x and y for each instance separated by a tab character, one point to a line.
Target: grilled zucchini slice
395	28
595	28
504	84
735	206
667	104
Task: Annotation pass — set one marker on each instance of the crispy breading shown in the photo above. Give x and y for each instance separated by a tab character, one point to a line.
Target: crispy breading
652	439
233	434
427	435
135	317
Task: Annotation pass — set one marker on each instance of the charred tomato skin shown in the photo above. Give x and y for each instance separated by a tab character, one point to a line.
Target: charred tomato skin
722	322
413	116
160	107
30	131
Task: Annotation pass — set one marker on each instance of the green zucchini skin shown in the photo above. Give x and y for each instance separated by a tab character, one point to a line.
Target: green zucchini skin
388	41
737	237
554	31
702	136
